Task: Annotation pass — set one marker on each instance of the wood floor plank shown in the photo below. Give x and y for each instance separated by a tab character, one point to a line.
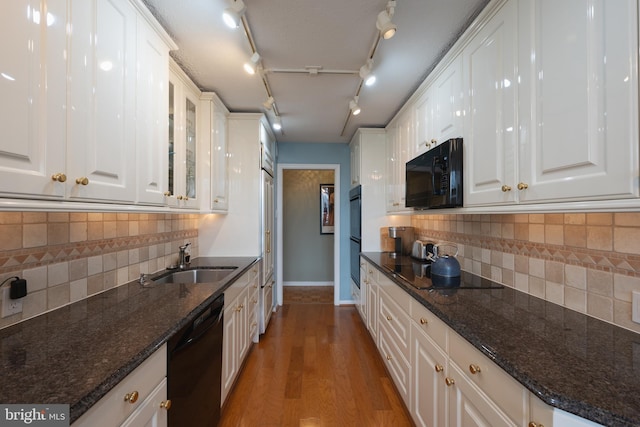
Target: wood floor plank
315	366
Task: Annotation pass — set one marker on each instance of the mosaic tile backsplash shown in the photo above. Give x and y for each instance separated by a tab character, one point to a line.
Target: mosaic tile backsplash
69	256
588	262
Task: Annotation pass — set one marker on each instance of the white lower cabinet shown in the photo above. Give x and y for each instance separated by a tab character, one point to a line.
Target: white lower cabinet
240	326
138	400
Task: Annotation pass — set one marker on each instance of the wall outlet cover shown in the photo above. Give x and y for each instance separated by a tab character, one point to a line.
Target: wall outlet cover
635	306
10	306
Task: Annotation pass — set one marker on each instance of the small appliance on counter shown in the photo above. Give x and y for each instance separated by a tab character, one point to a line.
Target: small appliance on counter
422	250
403	240
445	269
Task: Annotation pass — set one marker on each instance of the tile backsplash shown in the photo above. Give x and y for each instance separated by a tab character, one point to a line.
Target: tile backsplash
69	256
588	262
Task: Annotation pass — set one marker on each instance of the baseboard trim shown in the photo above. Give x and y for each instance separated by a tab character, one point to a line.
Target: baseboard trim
307	284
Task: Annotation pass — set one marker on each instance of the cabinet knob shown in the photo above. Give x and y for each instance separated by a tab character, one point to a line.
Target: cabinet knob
532	424
389	357
131	397
474	369
215	200
167	193
165	404
439	367
82	181
522	186
179	197
505	188
449	381
423	321
389	318
60	177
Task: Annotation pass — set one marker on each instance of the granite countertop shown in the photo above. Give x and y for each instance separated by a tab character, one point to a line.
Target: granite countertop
74	355
569	360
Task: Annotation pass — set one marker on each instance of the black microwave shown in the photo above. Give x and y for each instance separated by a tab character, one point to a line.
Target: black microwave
434	179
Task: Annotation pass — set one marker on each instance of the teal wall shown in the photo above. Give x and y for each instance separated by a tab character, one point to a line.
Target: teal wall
333	153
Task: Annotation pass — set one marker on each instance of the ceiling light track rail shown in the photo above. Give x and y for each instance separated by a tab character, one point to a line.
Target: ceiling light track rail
312	71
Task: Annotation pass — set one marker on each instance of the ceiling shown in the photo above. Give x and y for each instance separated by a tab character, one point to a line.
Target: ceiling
296	34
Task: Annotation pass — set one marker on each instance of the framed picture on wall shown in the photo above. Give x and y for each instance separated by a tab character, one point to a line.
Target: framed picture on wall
326	209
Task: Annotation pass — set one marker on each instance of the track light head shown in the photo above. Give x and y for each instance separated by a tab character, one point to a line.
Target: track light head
384	24
268	104
232	15
365	73
277	123
354	107
251	67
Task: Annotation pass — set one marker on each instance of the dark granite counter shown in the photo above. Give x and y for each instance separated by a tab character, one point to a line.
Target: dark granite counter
569	360
77	353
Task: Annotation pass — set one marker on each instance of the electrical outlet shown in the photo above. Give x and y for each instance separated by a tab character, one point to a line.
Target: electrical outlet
635	306
10	306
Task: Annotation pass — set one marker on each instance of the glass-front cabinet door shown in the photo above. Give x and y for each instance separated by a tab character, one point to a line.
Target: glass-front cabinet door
182	148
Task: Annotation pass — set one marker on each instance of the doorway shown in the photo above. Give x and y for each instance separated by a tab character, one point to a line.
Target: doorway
303	239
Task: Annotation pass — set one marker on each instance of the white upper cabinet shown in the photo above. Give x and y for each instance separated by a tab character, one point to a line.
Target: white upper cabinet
213	140
578	104
400	136
152	112
490	129
33	101
184	97
439	110
101	142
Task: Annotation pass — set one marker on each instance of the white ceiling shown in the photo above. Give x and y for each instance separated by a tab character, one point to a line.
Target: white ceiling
332	34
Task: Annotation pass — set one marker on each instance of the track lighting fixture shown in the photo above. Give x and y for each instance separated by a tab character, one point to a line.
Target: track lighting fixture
277	123
365	73
232	15
268	104
251	67
384	24
354	107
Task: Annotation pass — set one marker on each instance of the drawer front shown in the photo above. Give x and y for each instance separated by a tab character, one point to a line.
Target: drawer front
429	323
397	365
502	389
401	298
113	409
395	320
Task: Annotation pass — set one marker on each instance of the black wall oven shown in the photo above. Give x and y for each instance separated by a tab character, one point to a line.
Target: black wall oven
355	232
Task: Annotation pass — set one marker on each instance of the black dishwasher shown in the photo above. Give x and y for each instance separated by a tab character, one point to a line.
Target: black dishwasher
194	369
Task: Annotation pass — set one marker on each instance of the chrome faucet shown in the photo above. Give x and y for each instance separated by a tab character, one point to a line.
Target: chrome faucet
183	258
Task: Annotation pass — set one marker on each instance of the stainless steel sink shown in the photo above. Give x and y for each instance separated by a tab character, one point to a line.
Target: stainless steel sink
200	275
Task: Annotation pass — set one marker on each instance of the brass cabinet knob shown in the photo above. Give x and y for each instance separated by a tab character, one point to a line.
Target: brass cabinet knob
215	200
522	186
532	424
505	188
82	181
396	204
474	369
167	193
449	381
60	177
131	397
179	197
439	367
423	321
165	404
389	357
389	318
186	197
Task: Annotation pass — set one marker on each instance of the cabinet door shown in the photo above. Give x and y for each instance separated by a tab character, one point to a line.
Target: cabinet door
229	348
424	129
372	308
429	392
447	91
354	152
219	163
152	109
469	407
33	101
393	161
101	134
579	104
267	226
243	319
490	132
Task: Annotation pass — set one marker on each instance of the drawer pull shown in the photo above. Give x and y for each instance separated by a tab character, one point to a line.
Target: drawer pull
532	424
449	381
167	193
389	357
131	397
389	318
423	321
165	404
439	367
240	307
474	369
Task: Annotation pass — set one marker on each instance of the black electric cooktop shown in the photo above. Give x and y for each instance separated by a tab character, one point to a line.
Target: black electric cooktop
418	274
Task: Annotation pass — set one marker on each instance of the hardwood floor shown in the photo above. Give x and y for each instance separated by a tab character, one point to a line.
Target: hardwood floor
315	366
